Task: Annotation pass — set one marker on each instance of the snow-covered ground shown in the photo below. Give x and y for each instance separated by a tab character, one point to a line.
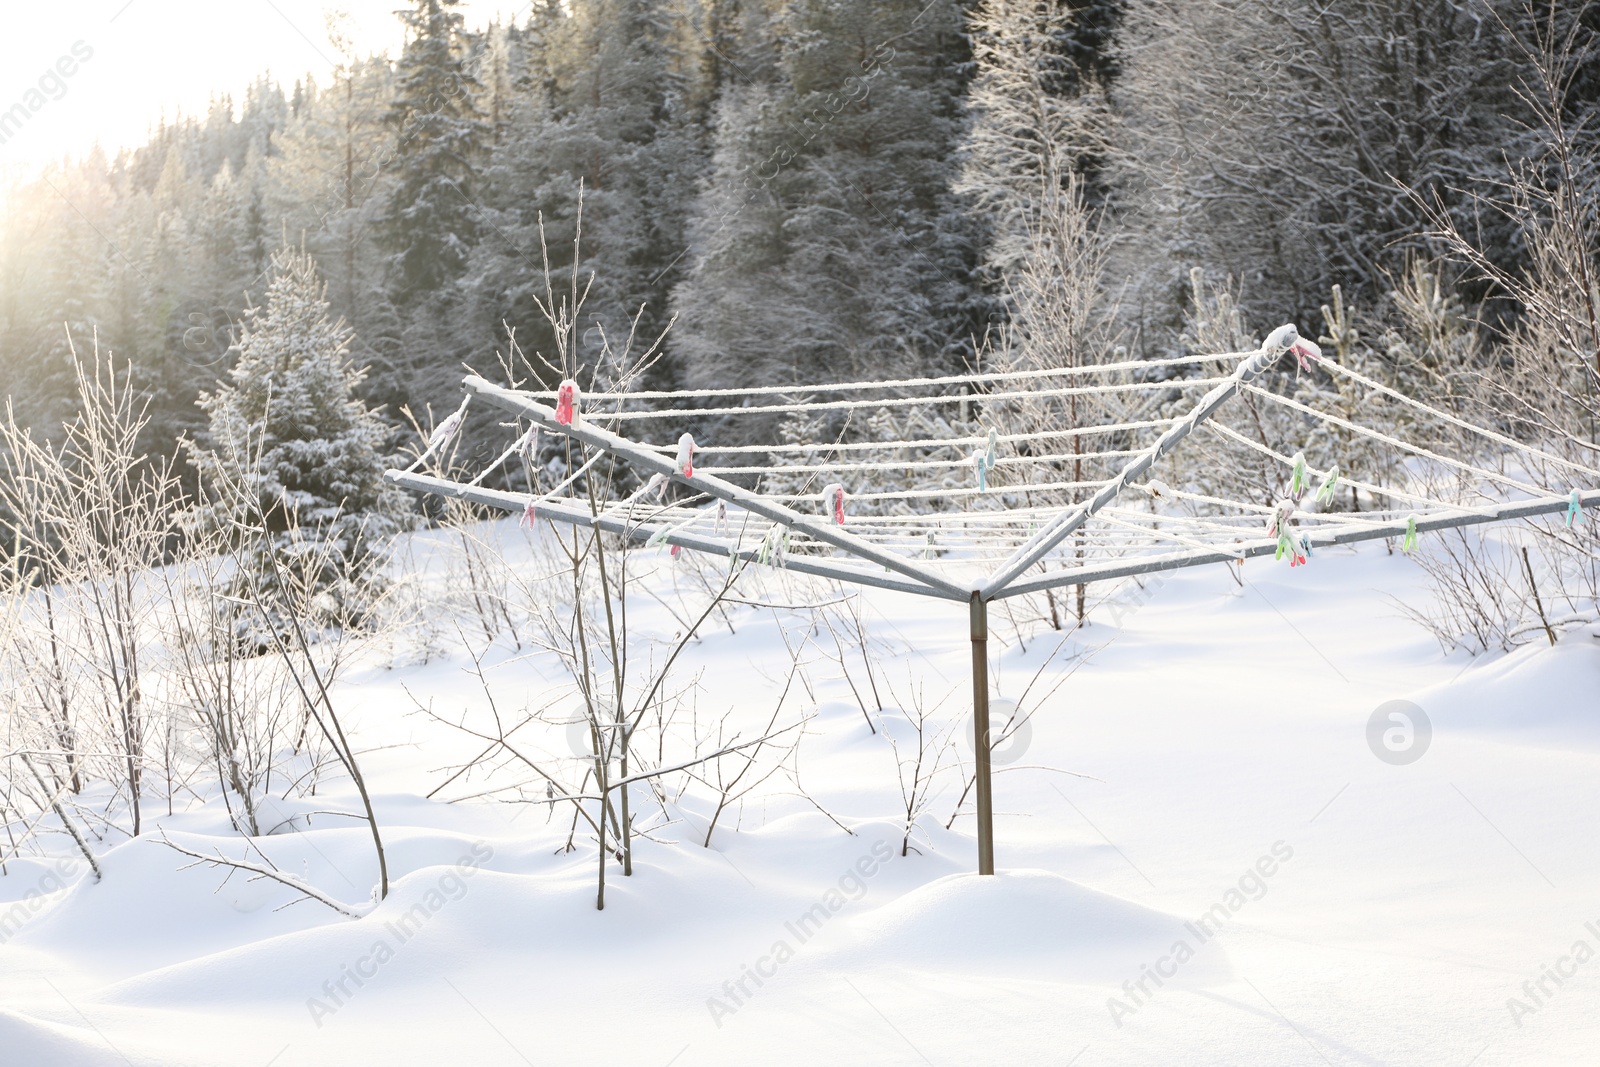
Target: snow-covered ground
1228	875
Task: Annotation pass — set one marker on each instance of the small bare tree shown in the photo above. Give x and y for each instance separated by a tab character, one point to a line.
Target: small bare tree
1040	122
579	611
92	514
917	766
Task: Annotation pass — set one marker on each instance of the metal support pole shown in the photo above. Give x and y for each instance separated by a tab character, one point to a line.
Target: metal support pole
980	732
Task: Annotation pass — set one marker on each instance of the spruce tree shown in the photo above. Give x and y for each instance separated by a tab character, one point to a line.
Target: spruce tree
600	108
291	449
1274	141
826	244
432	221
331	179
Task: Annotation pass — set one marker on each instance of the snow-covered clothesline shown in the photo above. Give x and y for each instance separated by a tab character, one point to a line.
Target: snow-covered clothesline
969	379
802	407
933	510
983	541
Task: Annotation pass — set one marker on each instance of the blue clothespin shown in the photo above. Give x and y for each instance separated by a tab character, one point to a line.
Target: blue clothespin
984	460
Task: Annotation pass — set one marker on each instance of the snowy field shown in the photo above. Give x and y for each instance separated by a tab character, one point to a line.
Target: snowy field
1203	861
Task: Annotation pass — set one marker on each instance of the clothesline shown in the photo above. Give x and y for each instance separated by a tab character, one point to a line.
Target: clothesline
964	461
1394	442
875	403
974	378
924	442
1484	431
928	506
977	543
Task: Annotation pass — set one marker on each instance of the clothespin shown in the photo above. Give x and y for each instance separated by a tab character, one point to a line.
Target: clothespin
1287	337
567	400
1409	542
1297	480
833	500
773	546
447	429
983	460
1574	509
686	455
529	514
1325	491
1291	547
1278	524
1278	527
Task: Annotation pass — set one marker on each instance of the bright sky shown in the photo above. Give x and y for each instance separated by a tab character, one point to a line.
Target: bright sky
149	58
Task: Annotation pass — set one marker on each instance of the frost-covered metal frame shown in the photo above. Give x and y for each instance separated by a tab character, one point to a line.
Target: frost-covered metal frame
869	563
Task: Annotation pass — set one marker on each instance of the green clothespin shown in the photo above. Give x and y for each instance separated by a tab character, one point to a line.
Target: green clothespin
1325	491
1409	542
1297	481
774	546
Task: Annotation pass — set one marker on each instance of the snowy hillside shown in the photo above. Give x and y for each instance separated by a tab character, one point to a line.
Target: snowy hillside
1202	861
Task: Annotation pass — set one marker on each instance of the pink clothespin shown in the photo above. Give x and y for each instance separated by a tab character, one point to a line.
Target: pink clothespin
567	397
833	498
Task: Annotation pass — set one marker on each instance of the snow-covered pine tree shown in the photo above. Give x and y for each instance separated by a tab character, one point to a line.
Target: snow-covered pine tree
1037	122
56	297
432	221
330	181
1270	140
825	245
291	448
601	105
